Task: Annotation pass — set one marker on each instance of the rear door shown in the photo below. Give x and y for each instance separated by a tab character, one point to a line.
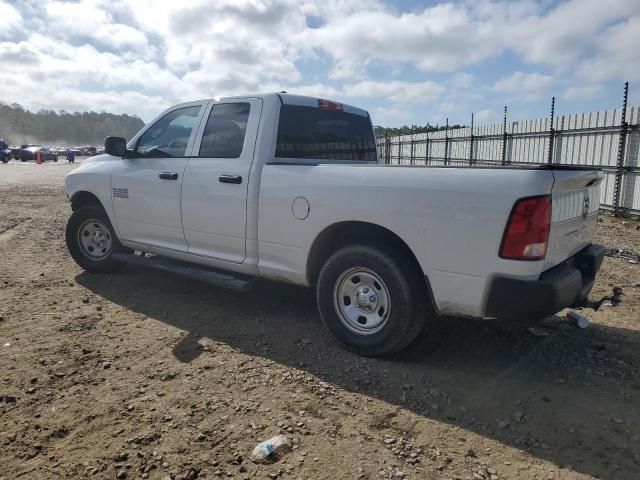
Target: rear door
216	179
574	212
146	188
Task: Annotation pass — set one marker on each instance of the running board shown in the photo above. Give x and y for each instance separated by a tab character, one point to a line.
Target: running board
186	270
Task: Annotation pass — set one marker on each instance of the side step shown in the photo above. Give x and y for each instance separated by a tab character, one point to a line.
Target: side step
195	272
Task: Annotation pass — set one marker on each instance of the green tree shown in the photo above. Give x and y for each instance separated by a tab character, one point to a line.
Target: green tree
51	128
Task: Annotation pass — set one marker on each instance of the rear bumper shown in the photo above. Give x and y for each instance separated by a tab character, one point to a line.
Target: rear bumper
564	285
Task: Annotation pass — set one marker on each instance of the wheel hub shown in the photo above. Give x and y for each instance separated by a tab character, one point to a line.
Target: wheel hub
94	239
362	301
366	299
99	239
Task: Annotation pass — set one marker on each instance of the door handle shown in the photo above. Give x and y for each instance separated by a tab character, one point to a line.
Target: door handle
168	175
237	179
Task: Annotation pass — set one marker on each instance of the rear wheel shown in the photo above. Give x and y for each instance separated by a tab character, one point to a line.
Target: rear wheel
373	302
91	240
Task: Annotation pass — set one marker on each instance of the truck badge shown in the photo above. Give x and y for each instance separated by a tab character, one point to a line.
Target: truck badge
585	207
120	192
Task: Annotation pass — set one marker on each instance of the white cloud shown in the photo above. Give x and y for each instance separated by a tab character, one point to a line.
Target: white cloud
10	19
584	92
388	115
397	91
486	116
617	55
568	31
440	38
461	80
529	86
319	90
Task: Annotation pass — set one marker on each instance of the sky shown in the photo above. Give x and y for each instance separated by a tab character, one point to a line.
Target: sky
407	62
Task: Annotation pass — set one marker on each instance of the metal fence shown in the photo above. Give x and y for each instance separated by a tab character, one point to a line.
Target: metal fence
609	140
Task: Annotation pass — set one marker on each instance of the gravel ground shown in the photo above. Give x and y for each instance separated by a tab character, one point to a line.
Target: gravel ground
616	234
139	375
30	173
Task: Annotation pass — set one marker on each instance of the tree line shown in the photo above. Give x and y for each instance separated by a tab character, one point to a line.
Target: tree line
48	127
408	130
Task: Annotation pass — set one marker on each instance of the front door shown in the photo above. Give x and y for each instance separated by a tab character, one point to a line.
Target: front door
146	187
214	190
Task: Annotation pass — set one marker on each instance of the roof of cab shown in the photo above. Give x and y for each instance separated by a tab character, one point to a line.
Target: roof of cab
302	100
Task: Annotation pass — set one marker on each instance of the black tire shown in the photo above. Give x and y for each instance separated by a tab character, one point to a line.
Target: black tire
78	219
405	289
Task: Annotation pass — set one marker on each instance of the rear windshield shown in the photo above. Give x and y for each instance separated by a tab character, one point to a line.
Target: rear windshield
315	133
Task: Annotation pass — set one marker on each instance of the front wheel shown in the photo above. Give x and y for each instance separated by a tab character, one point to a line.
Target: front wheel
91	240
373	302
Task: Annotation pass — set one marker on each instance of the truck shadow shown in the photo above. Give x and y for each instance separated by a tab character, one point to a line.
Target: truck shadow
569	397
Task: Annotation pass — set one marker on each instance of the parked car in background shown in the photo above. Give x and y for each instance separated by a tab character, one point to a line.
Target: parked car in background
29	153
15	152
48	154
26	152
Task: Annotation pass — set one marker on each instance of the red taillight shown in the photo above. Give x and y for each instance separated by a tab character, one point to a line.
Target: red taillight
527	233
327	105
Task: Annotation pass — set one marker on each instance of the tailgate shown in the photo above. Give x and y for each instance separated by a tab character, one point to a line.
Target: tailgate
574	212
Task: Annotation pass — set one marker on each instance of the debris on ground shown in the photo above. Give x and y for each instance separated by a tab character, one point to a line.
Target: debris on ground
270	450
577	319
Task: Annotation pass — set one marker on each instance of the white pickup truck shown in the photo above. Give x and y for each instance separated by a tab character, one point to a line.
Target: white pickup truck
289	188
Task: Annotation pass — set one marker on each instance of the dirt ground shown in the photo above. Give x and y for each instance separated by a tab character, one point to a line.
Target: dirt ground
140	375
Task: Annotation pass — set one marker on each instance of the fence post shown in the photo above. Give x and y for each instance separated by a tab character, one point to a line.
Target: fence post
446	141
503	160
617	210
426	150
400	149
386	146
412	145
471	143
551	132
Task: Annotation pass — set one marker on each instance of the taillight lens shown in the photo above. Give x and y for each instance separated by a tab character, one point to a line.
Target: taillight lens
527	233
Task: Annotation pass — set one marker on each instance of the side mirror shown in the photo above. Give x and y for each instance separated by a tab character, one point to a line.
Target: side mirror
116	146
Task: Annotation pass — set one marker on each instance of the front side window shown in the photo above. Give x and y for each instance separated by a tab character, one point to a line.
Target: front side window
224	134
317	133
168	137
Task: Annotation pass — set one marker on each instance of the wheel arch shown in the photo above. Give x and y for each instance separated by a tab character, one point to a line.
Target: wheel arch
82	198
345	233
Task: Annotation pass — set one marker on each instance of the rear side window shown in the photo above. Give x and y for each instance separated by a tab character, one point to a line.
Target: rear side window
224	134
316	133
